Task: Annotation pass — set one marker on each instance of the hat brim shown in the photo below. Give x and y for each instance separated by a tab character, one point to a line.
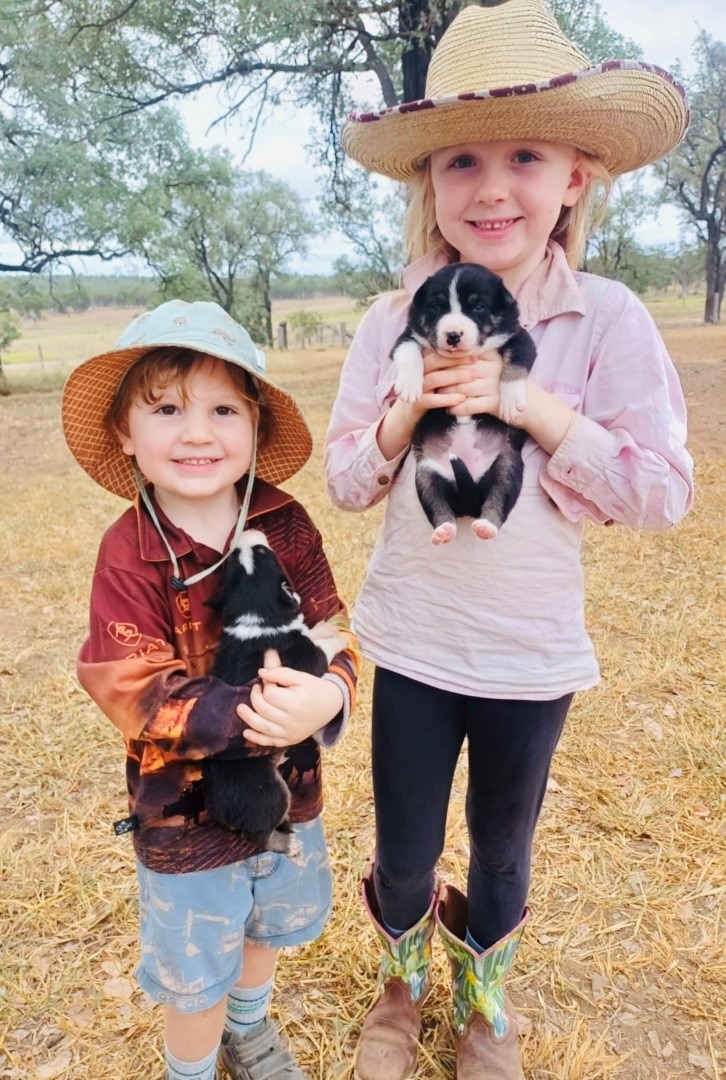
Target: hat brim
623	112
89	391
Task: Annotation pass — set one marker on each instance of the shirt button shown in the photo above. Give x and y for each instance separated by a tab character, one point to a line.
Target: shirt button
383	480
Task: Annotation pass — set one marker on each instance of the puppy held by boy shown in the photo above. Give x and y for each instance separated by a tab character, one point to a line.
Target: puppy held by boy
466	466
260	611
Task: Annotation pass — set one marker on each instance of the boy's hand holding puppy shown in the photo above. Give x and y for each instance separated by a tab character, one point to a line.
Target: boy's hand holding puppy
288	706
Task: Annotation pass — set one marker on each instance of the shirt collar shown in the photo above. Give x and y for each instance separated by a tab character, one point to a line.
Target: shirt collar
551	289
265	497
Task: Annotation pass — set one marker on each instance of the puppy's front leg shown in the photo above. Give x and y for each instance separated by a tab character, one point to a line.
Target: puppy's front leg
408	358
518	355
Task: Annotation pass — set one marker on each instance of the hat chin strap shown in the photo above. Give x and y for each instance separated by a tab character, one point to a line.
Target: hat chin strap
177	581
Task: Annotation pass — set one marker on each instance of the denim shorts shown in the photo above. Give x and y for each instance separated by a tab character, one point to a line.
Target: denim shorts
194	926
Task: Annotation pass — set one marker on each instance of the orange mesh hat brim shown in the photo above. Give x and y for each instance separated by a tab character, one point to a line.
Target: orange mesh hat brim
90	388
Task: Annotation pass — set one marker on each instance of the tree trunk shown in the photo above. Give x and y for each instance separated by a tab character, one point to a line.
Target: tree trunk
267	302
421	25
714	278
4	387
415	59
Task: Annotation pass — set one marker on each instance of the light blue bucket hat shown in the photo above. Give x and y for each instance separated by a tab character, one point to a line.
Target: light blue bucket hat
205	327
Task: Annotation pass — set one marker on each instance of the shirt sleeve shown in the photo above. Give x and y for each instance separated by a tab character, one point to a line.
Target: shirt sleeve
145	691
357	474
313	581
624	456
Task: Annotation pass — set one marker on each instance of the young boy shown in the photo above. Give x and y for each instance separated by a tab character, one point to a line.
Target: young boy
181	418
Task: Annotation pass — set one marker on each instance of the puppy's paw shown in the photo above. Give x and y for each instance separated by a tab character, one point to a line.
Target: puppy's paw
443	533
328	638
512	400
409	371
295	851
484	529
408	388
283	842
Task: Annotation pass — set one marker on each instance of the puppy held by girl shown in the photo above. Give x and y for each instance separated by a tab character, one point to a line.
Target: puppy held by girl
466	466
260	611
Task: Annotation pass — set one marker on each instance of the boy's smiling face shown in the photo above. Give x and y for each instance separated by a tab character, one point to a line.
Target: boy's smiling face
192	445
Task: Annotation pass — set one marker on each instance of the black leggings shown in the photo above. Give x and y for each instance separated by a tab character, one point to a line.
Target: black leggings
418	731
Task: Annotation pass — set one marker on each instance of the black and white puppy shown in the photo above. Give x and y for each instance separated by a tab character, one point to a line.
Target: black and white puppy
466	466
259	611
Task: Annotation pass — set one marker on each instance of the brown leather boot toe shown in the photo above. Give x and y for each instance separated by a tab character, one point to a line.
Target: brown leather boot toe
482	1055
388	1043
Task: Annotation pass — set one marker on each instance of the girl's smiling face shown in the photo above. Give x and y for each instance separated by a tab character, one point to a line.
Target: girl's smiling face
192	443
497	203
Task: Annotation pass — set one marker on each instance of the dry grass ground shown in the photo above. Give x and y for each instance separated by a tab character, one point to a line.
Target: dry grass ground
622	969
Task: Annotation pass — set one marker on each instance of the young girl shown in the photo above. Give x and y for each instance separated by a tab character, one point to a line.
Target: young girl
181	418
479	639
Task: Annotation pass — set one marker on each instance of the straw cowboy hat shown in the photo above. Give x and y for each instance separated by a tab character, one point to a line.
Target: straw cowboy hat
205	327
508	72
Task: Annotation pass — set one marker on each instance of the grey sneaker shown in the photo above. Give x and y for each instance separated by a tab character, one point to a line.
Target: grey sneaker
261	1055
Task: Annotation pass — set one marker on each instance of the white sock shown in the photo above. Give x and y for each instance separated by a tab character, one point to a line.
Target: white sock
191	1070
247	1007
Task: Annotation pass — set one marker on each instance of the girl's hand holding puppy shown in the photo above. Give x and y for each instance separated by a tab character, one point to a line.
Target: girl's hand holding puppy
450	382
473	379
545	417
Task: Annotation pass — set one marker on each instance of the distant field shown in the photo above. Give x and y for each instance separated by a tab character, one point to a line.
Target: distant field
77	335
621	971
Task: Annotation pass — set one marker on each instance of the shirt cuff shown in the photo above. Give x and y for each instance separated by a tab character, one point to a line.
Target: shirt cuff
334	730
583	455
382	471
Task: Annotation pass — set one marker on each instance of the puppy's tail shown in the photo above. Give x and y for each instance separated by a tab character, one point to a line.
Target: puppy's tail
465	483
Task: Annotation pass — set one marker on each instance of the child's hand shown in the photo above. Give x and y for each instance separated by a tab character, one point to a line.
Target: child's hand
289	706
478	380
444	377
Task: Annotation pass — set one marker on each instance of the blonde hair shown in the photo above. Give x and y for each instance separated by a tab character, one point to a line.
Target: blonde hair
149	376
573	227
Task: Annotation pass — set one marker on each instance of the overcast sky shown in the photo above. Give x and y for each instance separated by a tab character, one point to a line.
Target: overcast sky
665	31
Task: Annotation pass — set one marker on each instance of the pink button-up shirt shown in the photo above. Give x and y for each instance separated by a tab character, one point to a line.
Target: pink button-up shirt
505	617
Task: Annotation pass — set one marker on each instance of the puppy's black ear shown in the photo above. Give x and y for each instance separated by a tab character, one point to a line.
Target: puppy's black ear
287	594
509	304
214	602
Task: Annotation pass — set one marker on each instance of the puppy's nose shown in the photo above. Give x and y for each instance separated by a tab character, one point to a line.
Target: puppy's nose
453	337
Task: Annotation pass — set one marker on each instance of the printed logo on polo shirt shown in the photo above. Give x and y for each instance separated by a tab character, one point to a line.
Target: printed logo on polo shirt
125	633
182	602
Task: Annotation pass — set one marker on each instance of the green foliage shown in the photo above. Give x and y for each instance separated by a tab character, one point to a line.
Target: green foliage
224	234
74	161
584	23
694	175
612	249
95	160
9	330
307	323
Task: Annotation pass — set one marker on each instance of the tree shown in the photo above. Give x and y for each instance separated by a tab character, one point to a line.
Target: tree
307	323
694	175
371	219
9	332
612	249
83	84
223	233
71	167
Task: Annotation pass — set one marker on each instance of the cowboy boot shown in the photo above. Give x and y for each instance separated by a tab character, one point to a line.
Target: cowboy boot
388	1043
487	1027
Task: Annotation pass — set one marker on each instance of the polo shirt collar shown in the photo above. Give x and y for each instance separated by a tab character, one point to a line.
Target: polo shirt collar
265	497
